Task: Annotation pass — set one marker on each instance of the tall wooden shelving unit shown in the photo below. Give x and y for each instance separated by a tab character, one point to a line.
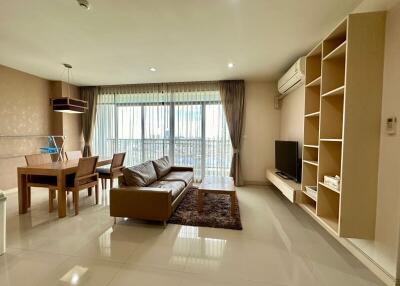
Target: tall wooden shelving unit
342	125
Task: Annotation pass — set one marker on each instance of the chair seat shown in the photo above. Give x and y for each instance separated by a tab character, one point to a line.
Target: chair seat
70	181
103	170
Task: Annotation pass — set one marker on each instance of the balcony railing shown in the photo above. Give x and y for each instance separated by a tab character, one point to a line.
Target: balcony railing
206	156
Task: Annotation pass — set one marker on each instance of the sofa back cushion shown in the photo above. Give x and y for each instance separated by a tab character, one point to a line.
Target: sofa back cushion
162	166
140	175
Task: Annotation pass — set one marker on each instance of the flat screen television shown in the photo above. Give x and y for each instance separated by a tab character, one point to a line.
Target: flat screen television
287	160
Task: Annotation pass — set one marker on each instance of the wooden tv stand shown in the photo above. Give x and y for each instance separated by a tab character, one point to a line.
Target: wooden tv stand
287	187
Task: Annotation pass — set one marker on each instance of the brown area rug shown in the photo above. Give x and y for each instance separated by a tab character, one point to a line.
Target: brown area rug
216	212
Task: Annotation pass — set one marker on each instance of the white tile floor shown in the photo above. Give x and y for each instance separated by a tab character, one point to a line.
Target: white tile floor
279	245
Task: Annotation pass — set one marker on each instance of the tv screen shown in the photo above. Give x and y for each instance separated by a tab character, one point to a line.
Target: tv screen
287	158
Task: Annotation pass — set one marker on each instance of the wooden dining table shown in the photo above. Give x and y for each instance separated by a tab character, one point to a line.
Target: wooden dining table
60	170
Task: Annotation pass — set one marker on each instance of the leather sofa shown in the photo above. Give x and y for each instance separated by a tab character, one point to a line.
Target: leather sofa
150	191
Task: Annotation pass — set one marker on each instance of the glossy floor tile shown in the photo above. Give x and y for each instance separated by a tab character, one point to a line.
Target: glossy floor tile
279	245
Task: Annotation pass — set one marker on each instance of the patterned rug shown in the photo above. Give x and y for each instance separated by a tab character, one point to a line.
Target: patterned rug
216	212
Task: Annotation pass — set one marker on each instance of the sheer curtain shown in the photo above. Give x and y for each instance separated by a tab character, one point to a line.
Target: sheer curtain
183	120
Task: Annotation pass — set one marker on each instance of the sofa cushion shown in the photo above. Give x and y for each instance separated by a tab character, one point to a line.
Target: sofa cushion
176	187
185	177
162	166
140	175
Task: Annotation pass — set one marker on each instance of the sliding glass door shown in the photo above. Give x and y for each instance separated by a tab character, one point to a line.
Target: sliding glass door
191	132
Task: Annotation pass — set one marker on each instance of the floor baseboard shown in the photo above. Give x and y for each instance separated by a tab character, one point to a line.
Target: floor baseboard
255	183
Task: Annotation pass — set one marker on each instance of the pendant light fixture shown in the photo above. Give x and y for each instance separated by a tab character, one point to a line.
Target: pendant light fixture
68	104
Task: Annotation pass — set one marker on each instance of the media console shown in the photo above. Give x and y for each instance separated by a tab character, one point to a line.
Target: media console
286	186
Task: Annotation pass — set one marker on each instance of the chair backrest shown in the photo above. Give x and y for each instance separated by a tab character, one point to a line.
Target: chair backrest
73	155
38	159
117	160
87	166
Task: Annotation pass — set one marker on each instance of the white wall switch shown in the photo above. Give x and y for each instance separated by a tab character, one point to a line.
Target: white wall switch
391	125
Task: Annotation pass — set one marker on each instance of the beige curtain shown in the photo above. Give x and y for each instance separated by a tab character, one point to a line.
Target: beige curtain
232	97
90	94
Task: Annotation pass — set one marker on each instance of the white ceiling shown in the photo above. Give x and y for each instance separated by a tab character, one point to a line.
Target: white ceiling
116	41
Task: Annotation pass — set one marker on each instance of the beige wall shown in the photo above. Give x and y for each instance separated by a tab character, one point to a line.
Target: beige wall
292	108
25	110
260	130
385	248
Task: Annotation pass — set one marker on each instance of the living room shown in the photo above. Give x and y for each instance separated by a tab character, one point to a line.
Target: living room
140	140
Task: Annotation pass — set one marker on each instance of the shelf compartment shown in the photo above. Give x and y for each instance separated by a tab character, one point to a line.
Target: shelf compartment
310	154
312	99
309	206
313	67
328	207
329	187
335	39
315	82
331	117
336	92
311	130
309	175
339	52
330	159
333	73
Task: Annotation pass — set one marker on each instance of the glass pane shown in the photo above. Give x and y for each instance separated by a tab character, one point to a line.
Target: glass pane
218	148
130	133
156	131
187	141
103	142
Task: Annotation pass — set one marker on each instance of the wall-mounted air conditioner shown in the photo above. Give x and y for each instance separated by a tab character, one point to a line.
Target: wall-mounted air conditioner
293	78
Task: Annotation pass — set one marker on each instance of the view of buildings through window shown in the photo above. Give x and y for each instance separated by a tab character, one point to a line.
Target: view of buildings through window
191	132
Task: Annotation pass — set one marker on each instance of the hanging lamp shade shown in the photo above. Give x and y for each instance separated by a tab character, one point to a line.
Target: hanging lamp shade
68	104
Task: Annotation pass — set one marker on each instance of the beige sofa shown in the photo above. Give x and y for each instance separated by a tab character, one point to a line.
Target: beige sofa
150	191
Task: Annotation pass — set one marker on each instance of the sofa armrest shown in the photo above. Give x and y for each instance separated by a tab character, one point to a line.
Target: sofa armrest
181	169
141	203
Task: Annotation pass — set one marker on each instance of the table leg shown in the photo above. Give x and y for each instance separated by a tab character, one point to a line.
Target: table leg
62	198
233	204
22	194
200	200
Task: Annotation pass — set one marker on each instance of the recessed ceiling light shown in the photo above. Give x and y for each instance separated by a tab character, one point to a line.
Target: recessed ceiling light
153	69
230	65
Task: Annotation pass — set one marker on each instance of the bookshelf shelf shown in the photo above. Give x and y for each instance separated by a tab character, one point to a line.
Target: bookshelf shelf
312	146
314	163
329	187
315	82
314	114
339	52
336	91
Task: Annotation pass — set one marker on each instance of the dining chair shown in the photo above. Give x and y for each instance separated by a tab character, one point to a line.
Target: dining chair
49	182
112	172
76	155
73	155
84	178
